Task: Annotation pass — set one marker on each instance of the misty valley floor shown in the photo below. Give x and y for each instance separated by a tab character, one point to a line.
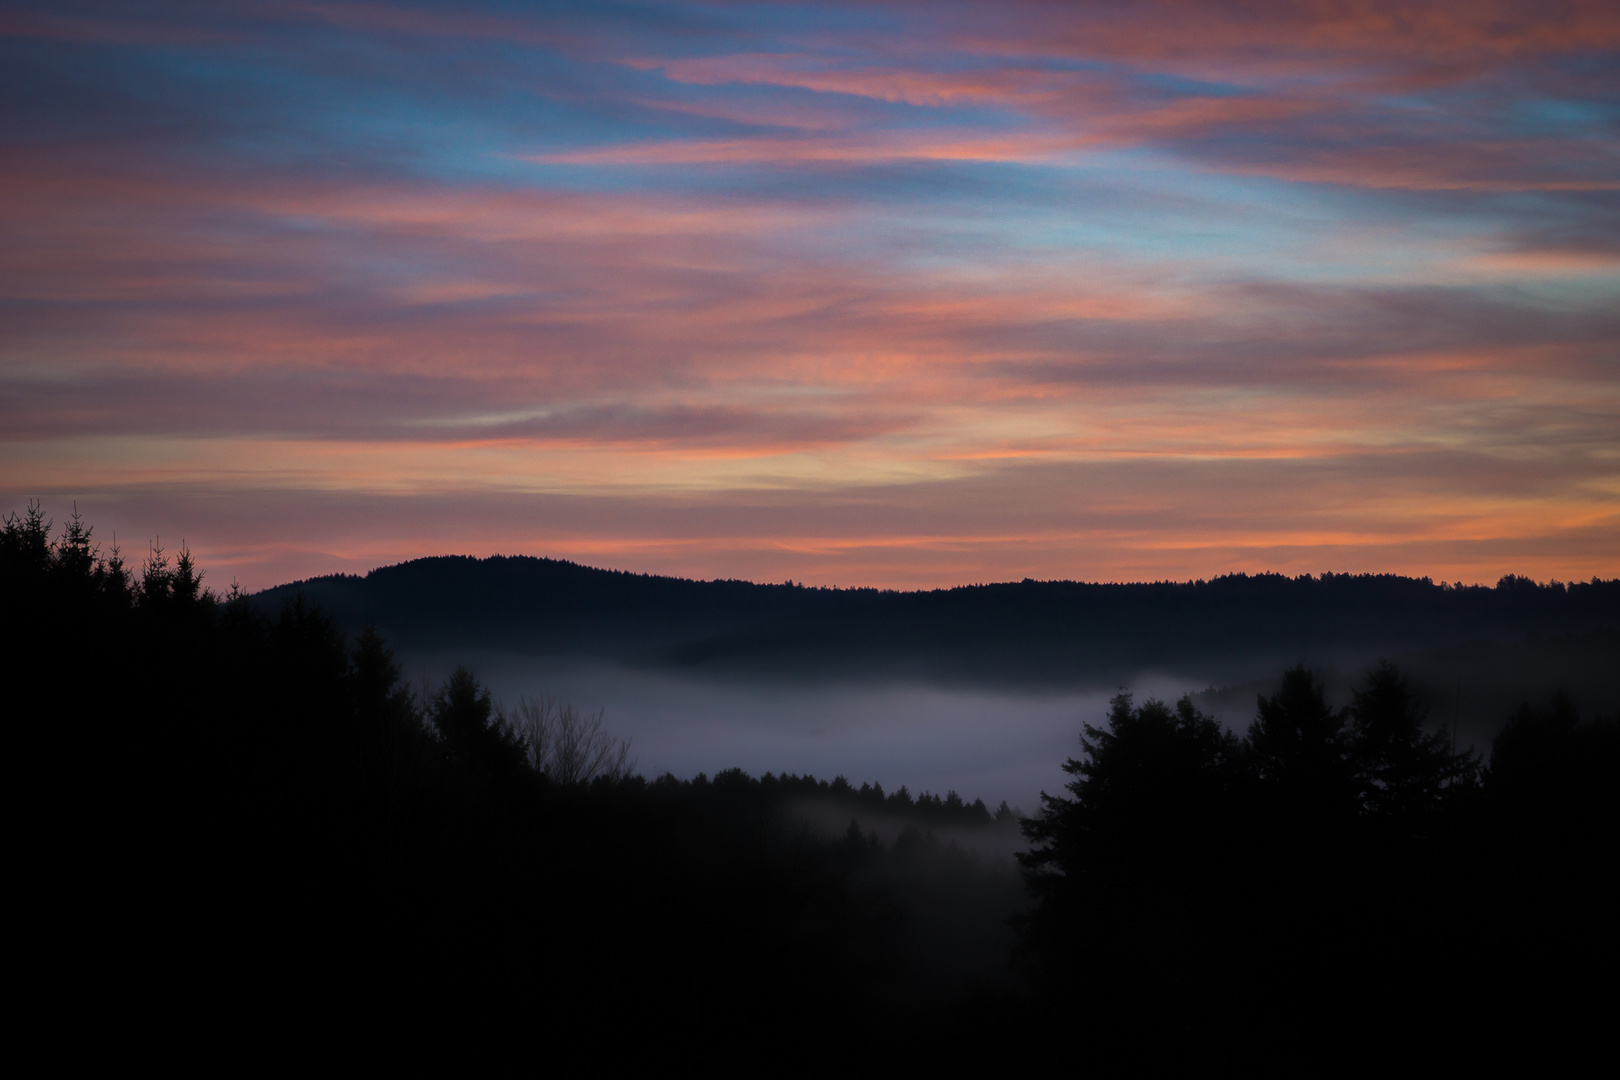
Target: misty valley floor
988	743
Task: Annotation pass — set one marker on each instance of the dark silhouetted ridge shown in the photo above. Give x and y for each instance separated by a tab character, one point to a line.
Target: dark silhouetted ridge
1051	632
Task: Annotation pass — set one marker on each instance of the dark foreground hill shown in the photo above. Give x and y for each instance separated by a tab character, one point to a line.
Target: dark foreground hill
1026	633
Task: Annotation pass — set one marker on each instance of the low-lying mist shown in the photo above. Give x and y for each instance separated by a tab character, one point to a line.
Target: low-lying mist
989	743
981	744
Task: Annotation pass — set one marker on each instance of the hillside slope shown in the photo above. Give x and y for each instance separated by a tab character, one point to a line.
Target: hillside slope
1029	632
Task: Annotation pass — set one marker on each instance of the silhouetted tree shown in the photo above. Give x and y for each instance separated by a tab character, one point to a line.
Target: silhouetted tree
74	553
464	715
388	725
156	576
1123	867
185	583
1298	752
564	744
26	541
1402	773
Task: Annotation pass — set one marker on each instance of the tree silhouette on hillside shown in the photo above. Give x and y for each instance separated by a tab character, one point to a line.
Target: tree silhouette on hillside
1402	771
1329	864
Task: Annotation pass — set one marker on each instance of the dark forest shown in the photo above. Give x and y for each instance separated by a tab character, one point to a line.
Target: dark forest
246	810
1048	632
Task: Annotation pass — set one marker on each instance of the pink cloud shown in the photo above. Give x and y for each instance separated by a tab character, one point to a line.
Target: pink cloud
711	373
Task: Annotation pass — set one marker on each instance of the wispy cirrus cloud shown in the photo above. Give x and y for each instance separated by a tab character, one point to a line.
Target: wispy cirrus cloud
882	293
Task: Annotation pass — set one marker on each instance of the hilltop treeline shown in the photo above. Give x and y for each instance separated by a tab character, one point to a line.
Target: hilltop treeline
1027	632
237	813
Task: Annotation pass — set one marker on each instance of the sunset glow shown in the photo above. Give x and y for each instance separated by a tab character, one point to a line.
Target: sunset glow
878	294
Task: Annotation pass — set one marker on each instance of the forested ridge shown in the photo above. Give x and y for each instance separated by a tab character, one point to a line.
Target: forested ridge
1022	632
255	811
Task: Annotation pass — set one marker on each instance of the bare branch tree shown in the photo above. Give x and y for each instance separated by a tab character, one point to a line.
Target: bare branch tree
567	745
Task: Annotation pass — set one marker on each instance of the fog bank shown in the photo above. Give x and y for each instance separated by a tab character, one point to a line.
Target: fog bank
992	745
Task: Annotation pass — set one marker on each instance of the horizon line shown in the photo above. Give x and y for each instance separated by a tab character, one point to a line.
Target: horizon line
790	583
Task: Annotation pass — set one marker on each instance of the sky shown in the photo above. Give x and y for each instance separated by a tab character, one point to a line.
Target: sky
899	294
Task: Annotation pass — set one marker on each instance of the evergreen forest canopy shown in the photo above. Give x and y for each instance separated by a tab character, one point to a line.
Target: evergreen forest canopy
1027	633
257	801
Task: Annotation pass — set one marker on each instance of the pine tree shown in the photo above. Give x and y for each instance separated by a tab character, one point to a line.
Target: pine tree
1401	771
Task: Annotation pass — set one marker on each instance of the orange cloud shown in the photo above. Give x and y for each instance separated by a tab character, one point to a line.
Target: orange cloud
877	147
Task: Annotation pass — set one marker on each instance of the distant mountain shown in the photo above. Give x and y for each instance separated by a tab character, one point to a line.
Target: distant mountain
1029	632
